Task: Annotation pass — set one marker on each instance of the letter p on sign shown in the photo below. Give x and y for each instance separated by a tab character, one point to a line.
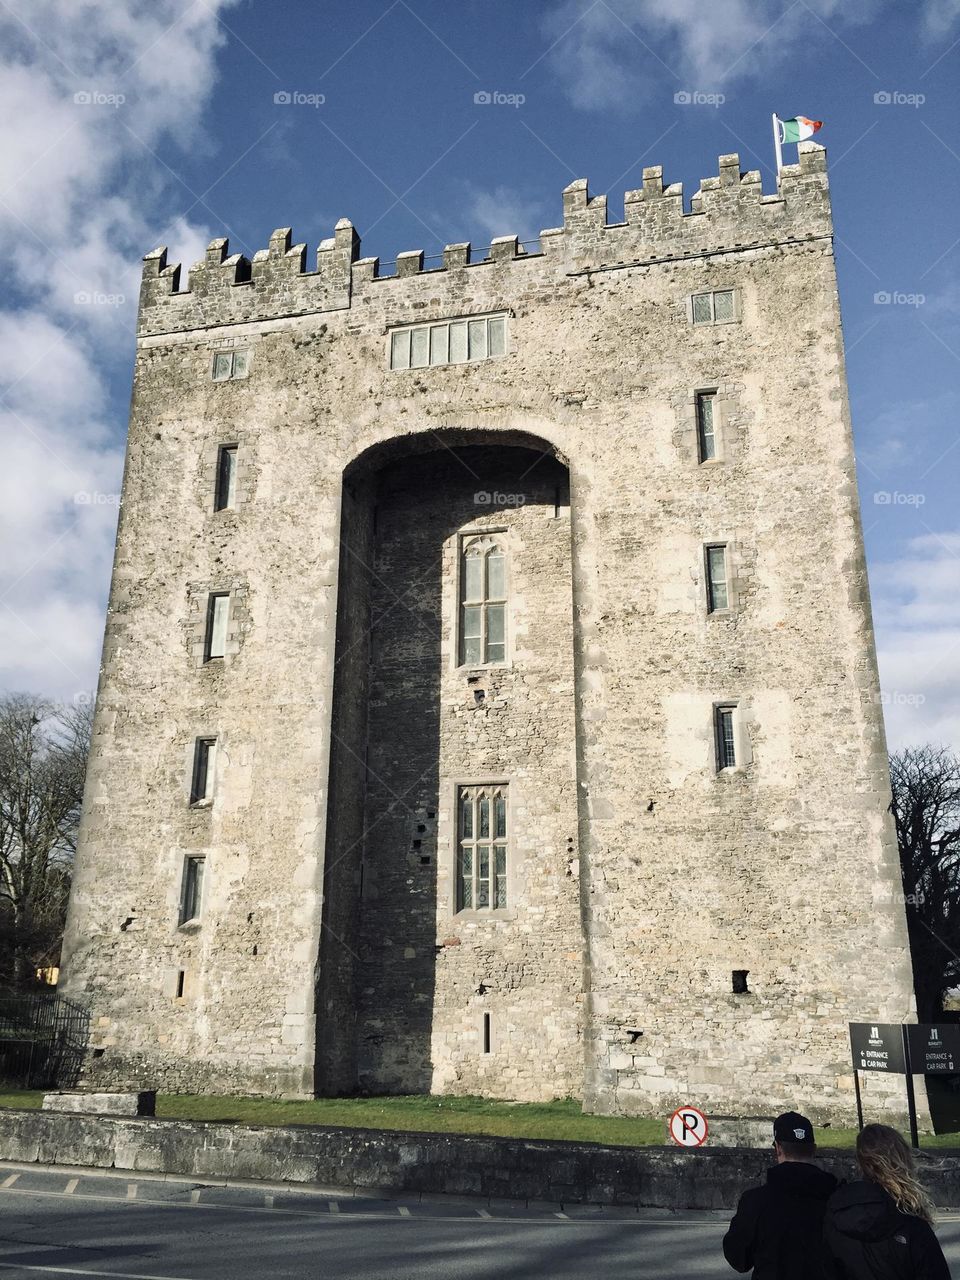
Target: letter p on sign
688	1127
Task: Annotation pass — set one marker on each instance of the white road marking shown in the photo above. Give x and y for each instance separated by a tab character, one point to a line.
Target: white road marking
131	1191
334	1207
195	1195
484	1213
561	1214
73	1271
71	1187
268	1202
403	1211
8	1182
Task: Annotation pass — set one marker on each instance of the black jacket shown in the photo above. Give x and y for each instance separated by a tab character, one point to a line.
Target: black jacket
778	1228
868	1238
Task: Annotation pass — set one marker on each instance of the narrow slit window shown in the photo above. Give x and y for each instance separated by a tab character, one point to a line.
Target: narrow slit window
726	737
226	492
706	425
218	617
191	892
201	786
486	1033
717	587
483	602
482	848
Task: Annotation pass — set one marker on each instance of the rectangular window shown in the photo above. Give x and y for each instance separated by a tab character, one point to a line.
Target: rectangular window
230	364
226	491
717	307
201	786
191	890
483	601
706	425
717	594
482	848
726	740
218	616
450	342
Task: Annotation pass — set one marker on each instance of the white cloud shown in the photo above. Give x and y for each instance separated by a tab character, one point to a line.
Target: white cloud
940	17
504	212
611	53
93	90
916	600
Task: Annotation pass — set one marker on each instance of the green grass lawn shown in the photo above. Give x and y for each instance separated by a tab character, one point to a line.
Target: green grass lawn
420	1114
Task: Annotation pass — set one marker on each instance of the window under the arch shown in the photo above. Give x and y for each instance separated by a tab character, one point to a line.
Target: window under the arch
483	601
482	848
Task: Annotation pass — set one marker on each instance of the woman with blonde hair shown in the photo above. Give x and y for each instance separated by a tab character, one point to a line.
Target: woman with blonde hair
880	1228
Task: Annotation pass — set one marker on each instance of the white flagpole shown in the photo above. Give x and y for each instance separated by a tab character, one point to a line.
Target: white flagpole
777	144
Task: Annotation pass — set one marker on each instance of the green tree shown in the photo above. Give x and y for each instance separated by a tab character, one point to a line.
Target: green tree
43	753
926	810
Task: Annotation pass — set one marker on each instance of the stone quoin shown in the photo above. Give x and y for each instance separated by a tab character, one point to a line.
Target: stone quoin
489	702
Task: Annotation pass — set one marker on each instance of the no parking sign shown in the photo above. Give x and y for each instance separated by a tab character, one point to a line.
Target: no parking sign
688	1127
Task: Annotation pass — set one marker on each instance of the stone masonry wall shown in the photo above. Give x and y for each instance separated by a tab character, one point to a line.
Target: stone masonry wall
784	866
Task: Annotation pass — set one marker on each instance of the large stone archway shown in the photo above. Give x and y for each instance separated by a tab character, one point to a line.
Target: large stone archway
417	989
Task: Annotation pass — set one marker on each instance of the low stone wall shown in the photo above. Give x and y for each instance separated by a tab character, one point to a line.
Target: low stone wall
560	1172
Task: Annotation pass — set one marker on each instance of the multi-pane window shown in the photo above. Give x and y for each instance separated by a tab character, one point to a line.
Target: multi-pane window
483	602
706	425
451	342
482	848
718	596
724	729
218	617
716	307
230	364
191	889
201	783
226	490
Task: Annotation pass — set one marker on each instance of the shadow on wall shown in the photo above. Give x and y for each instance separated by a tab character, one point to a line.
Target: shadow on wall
379	948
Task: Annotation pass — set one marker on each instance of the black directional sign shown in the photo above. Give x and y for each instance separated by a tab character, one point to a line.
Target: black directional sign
878	1046
935	1048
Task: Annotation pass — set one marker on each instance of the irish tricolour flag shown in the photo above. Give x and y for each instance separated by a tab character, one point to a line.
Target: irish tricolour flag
798	129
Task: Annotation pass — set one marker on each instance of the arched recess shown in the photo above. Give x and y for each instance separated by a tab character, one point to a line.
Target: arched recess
423	985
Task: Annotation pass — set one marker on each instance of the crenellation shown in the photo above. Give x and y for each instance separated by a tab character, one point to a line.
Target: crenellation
410	262
456	255
729	208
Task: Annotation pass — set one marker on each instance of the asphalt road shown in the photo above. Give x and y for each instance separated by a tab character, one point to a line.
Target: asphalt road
60	1223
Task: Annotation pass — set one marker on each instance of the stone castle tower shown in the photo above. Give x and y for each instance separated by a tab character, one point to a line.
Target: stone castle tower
489	701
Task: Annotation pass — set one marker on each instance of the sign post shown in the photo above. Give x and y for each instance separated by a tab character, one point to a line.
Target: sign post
927	1048
911	1099
688	1127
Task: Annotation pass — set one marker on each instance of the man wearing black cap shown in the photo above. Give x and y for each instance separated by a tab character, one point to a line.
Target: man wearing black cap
777	1229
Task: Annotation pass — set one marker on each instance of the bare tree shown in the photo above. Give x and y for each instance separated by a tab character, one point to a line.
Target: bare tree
926	809
43	752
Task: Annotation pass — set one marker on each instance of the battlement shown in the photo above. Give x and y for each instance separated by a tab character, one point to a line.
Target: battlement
728	212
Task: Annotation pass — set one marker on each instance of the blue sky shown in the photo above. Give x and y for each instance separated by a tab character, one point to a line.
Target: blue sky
144	123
